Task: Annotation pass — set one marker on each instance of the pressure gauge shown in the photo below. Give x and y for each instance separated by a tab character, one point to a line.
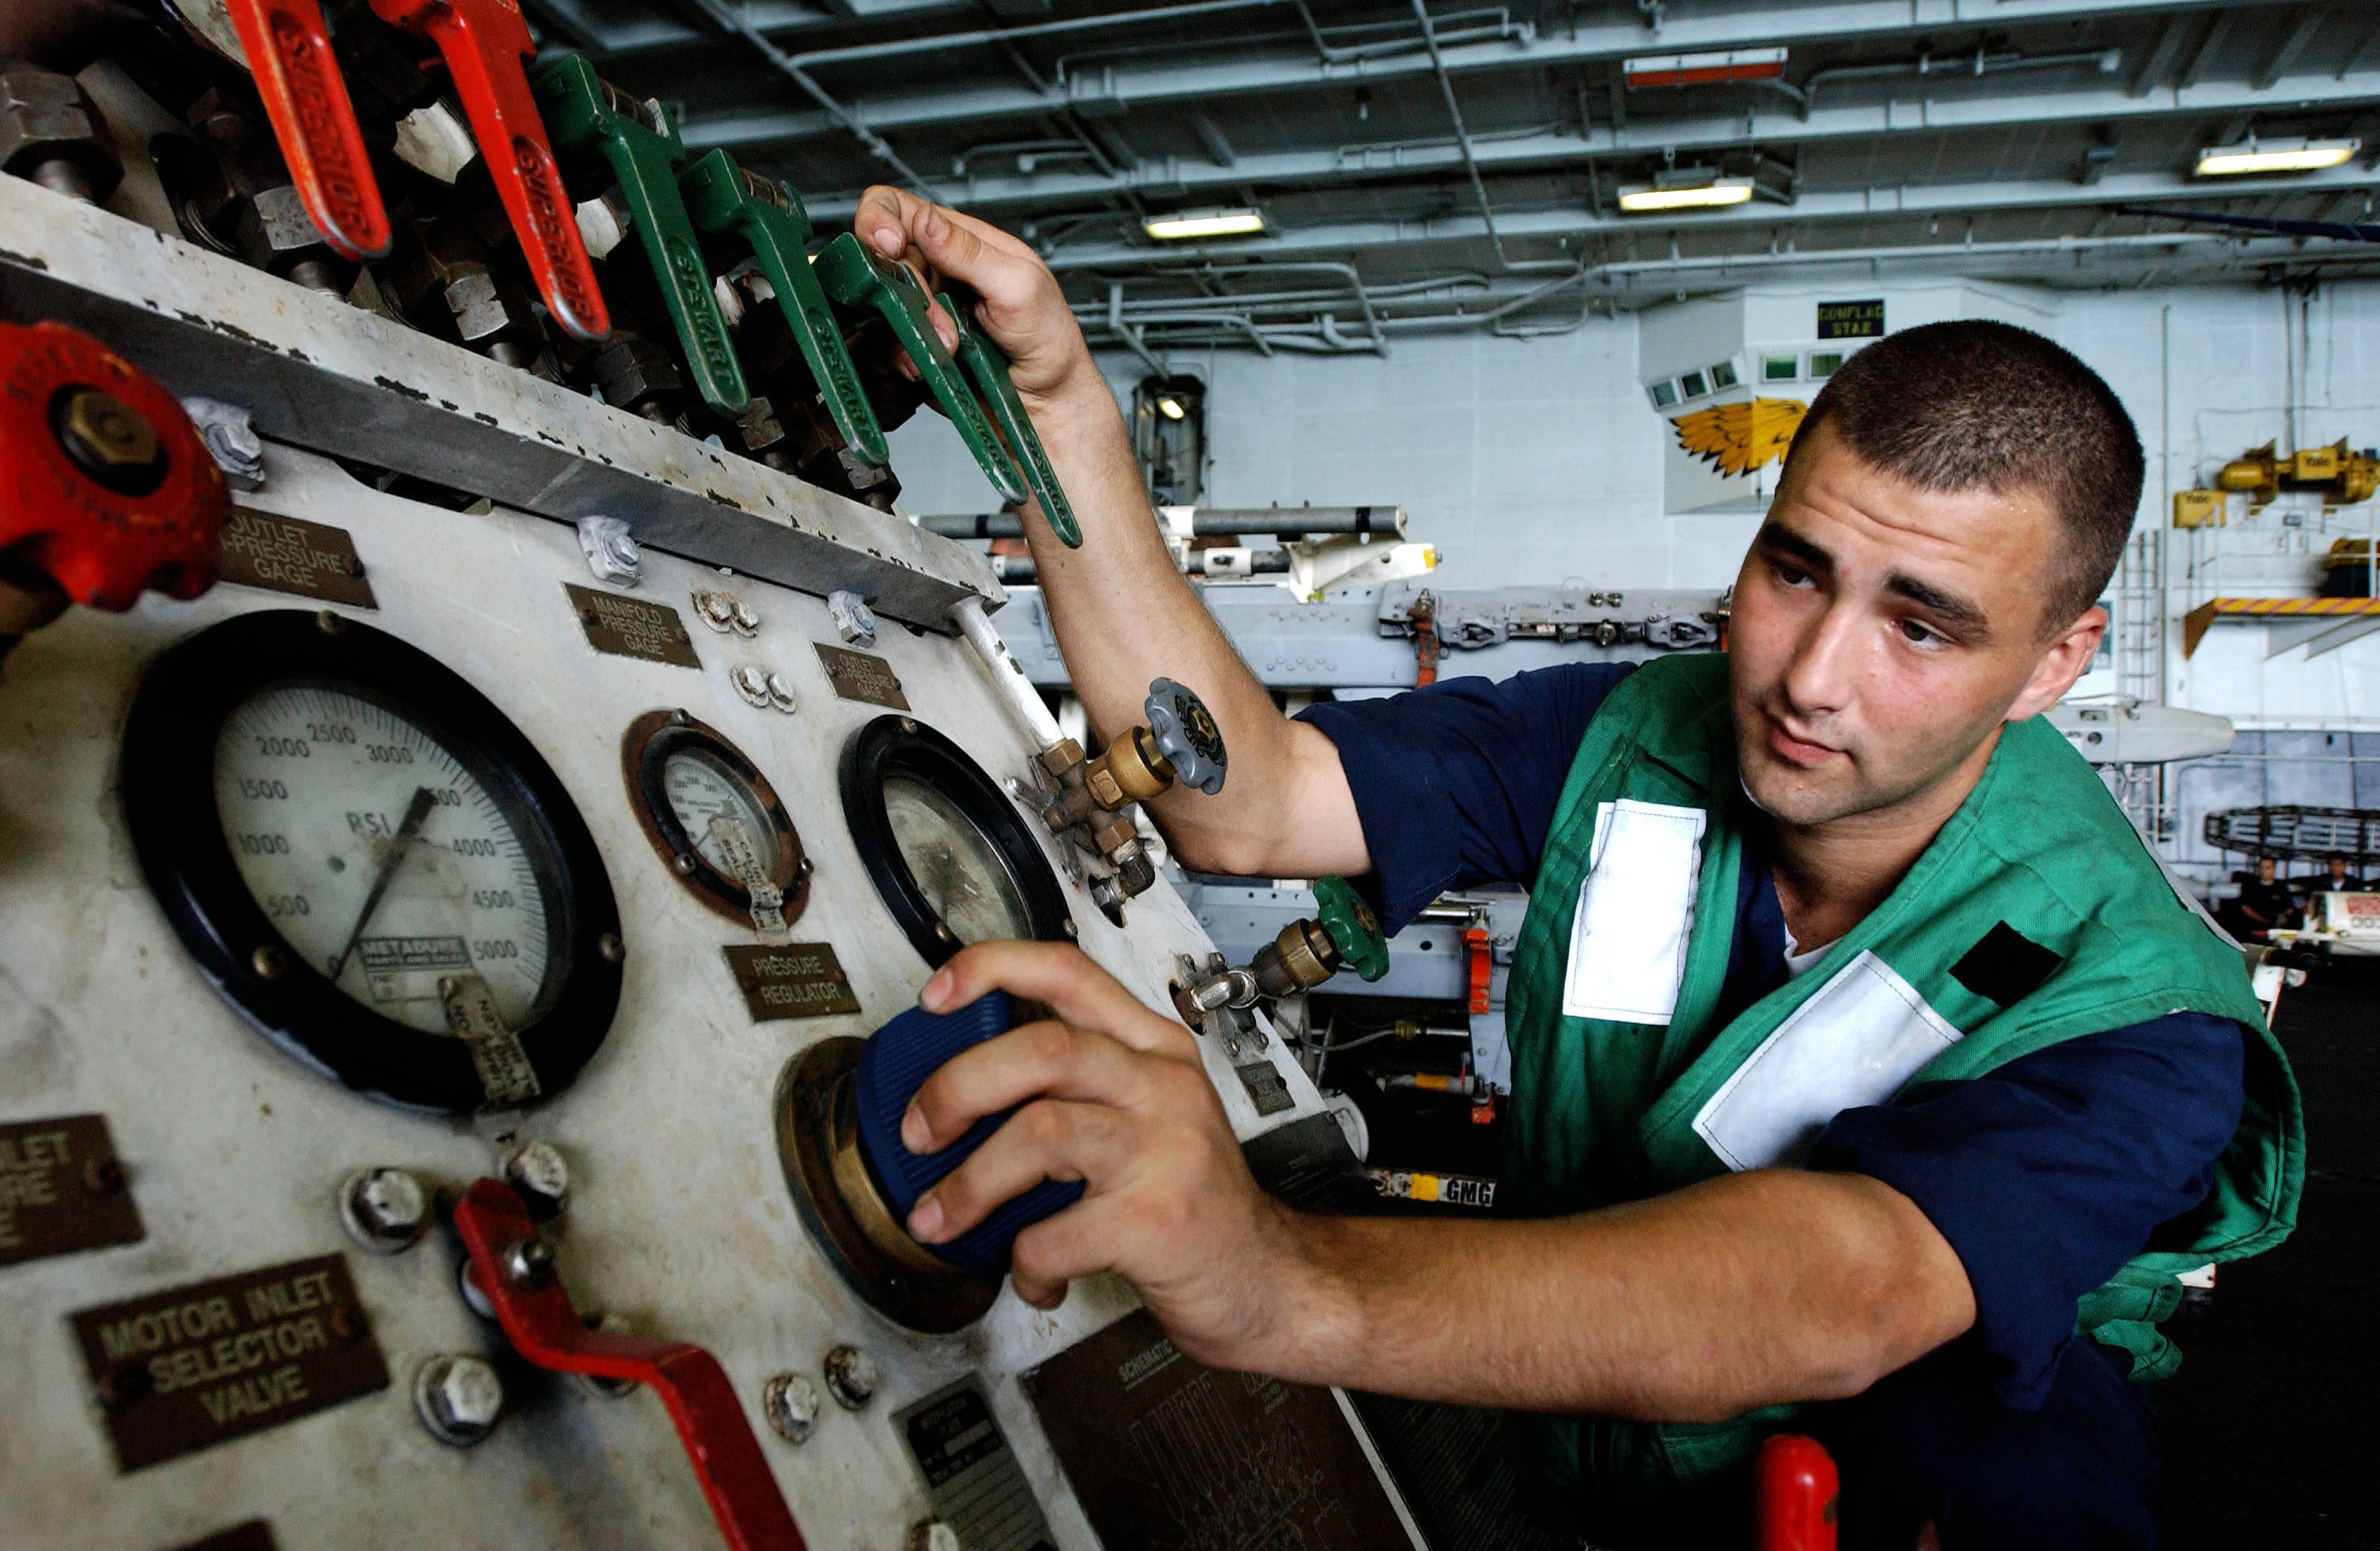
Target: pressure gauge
371	862
714	820
943	845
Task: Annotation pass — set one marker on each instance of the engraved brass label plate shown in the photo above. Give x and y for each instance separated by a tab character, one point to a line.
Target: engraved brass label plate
859	675
632	627
290	554
1266	1089
61	1189
193	1366
796	980
1161	1451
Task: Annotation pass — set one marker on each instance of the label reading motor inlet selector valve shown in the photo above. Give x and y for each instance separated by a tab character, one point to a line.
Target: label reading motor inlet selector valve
859	675
621	626
62	1189
791	980
189	1367
972	1478
289	554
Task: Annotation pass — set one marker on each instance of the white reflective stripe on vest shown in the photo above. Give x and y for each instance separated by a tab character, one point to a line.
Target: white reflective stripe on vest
1855	1042
1635	912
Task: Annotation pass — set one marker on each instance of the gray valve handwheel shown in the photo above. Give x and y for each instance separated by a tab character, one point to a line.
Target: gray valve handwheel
1186	736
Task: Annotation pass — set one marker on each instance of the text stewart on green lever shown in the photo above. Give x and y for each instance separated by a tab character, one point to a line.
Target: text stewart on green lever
855	278
727	201
643	150
989	368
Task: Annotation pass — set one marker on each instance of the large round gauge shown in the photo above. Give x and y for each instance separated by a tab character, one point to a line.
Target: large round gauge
715	819
943	845
373	864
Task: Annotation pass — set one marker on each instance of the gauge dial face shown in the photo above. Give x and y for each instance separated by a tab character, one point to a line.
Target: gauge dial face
706	794
956	865
384	862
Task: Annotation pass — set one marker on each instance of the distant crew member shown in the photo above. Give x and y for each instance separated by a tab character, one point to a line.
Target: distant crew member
2266	901
1869	1077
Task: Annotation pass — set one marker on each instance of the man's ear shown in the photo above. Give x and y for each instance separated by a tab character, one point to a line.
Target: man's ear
2061	663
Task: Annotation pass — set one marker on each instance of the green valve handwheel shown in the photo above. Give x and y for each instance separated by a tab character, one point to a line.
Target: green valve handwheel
642	149
989	367
1353	931
857	277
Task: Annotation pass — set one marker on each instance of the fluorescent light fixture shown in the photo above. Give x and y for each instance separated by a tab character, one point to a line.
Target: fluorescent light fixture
1170	407
1699	69
1188	224
1696	196
2275	156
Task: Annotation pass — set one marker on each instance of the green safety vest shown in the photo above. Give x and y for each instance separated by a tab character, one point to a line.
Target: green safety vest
2036	916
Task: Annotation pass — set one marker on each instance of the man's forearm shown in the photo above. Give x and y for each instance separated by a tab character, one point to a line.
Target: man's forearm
1753	1289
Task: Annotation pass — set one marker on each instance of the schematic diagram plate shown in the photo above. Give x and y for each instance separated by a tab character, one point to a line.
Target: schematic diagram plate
1166	1454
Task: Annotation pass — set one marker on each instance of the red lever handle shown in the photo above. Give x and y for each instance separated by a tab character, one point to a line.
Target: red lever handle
1795	1496
289	52
105	484
536	1314
484	42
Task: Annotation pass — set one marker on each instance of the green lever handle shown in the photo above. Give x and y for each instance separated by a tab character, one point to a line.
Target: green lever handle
857	277
1352	928
989	367
643	148
723	198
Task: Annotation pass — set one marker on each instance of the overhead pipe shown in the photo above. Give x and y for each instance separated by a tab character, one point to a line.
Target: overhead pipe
1470	155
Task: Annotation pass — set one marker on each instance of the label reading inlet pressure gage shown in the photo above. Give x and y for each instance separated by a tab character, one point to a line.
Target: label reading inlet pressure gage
714	820
371	862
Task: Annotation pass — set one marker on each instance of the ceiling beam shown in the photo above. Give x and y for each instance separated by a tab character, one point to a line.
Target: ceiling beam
2168	49
2207	50
1061	185
2046	195
2292	46
941	100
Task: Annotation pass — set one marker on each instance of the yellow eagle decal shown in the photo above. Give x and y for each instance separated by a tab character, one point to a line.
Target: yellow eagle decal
1738	437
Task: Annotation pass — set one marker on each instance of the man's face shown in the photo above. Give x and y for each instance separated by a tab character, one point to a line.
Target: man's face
2263	869
2336	869
1882	633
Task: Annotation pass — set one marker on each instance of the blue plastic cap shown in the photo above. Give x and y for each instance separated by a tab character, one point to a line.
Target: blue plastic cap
893	1065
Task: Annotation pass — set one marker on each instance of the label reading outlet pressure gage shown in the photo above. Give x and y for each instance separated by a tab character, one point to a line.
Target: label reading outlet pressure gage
371	862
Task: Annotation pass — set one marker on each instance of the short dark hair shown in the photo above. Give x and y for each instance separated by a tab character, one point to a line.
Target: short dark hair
1978	404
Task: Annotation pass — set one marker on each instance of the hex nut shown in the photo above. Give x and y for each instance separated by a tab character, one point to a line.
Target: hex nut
541	1173
791	1403
45	116
851	1377
751	682
458	1397
385	1210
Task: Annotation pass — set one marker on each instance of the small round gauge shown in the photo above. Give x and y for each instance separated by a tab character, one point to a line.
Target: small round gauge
373	864
943	845
714	818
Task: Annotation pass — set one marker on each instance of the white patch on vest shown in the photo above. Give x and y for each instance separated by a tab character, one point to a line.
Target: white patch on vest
1635	912
1865	1034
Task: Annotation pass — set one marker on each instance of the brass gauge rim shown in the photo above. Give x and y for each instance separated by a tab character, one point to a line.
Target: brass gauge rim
817	1143
644	751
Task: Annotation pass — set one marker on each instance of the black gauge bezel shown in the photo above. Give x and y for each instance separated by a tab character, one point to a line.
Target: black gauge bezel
644	751
902	744
169	755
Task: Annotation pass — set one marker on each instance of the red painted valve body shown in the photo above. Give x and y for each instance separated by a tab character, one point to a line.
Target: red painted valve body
289	52
1795	1496
484	42
545	1329
97	544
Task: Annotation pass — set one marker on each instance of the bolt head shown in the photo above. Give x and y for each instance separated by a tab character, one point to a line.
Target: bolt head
458	1397
791	1403
541	1173
108	440
269	961
611	947
101	1176
529	1262
851	1377
384	1209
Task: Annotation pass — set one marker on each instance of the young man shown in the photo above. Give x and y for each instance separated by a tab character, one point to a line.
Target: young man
2266	901
1861	1049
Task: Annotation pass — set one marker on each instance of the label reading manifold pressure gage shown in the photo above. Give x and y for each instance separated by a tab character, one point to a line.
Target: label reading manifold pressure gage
632	627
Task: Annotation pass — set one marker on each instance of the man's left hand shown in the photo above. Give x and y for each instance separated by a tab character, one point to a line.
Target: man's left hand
1116	1095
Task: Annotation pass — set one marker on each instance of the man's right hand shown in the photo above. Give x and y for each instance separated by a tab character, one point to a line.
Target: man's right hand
1023	310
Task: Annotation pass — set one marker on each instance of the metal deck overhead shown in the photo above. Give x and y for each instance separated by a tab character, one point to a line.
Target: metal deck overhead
1437	164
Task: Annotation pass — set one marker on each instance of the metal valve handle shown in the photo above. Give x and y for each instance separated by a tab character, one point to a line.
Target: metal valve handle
1186	734
989	367
723	198
512	1265
641	148
1353	931
105	484
483	42
288	51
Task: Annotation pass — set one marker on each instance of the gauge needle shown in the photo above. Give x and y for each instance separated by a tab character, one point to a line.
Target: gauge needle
424	799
